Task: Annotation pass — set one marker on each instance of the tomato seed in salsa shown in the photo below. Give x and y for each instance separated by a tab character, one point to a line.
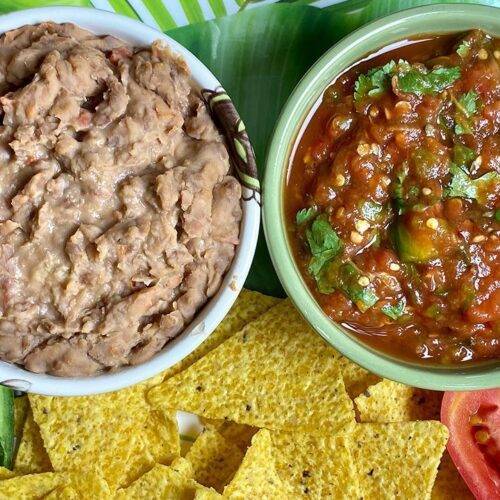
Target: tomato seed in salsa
392	200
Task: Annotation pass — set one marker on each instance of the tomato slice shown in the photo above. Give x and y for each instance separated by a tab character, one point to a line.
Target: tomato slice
473	419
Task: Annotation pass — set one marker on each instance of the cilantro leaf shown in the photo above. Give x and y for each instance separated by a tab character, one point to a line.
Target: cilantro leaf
373	83
396	311
305	215
463	49
467	103
324	244
462	155
415	81
463	186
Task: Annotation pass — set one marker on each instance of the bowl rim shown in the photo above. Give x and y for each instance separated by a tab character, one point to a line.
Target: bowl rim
216	308
293	117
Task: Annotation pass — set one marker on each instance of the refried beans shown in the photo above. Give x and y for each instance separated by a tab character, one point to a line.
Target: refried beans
118	216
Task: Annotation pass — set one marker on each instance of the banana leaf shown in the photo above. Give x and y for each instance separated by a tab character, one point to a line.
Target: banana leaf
11	5
260	54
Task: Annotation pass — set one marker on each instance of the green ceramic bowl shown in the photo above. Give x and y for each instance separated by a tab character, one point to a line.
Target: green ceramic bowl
446	18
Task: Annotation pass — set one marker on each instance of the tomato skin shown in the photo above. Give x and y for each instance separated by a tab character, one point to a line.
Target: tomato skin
478	471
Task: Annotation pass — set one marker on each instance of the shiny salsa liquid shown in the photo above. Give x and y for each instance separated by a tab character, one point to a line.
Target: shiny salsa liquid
392	199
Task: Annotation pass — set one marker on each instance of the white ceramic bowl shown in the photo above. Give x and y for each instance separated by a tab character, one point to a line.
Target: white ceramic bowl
213	312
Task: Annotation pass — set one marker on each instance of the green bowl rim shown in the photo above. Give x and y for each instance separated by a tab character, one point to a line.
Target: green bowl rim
288	125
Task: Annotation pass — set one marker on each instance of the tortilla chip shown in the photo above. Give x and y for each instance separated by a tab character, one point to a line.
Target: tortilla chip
390	401
157	441
92	432
398	460
21	407
183	467
274	373
214	459
31	456
63	493
248	306
206	494
356	379
6	473
314	466
161	482
35	486
257	476
449	483
239	434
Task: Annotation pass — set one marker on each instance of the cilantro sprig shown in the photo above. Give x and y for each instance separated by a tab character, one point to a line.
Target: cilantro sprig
373	83
466	107
417	81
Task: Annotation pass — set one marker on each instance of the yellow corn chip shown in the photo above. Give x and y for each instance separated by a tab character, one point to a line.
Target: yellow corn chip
239	434
31	456
398	460
63	493
275	373
83	433
183	467
356	379
390	401
157	441
214	459
21	406
257	476
206	494
35	486
449	483
6	473
248	306
315	466
161	482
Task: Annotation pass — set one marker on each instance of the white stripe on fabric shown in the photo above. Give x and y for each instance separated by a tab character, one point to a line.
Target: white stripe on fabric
208	13
259	4
144	13
231	6
321	4
103	5
175	9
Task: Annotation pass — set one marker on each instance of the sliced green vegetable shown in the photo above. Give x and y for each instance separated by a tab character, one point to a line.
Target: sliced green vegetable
497	215
6	426
305	215
415	81
324	244
463	49
345	277
394	311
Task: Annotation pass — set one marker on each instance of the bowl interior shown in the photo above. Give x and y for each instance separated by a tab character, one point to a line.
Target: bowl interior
436	19
216	308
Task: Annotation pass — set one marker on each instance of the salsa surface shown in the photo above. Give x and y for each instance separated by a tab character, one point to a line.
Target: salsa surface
392	199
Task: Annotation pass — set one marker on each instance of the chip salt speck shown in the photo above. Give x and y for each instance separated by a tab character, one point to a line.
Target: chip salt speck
214	459
274	373
398	460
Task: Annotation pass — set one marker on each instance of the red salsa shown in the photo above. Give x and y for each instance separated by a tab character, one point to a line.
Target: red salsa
393	199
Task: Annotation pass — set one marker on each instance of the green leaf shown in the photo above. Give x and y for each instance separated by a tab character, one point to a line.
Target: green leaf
305	215
394	311
324	244
463	49
6	426
468	103
417	82
463	186
371	210
462	155
374	83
